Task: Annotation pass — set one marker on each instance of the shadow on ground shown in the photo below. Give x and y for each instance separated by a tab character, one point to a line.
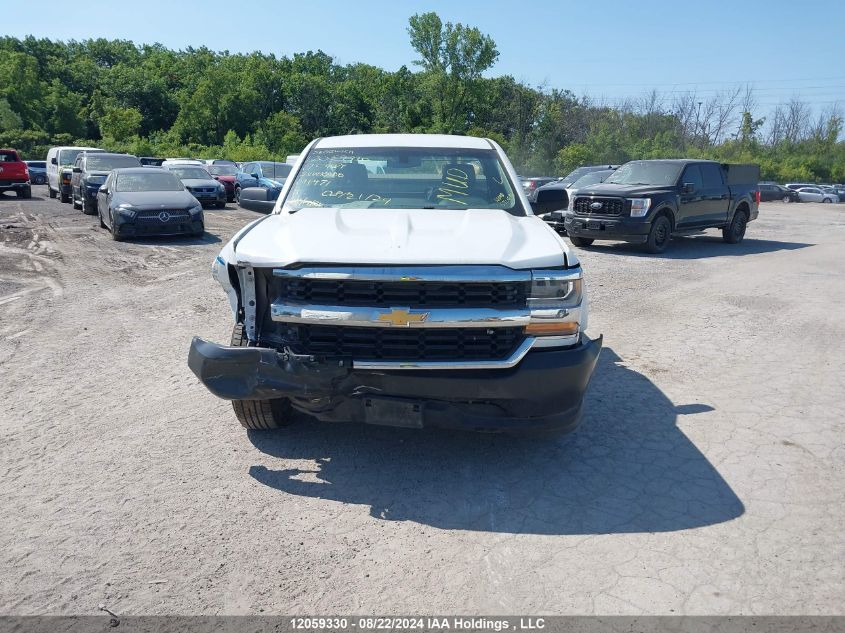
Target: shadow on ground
175	240
628	468
700	247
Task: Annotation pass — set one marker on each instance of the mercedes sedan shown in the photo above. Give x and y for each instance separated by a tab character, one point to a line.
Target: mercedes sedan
145	201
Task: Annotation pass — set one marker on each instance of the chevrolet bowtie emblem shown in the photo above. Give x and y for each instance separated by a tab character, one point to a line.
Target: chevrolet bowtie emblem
403	318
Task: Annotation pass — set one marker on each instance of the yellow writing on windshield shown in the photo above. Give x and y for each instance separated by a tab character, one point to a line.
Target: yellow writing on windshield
455	183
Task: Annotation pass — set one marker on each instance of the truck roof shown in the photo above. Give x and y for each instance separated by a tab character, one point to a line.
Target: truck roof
403	140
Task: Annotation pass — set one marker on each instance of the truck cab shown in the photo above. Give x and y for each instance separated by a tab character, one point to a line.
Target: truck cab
425	293
649	201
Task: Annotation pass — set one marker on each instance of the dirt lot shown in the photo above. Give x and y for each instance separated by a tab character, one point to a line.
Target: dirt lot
707	476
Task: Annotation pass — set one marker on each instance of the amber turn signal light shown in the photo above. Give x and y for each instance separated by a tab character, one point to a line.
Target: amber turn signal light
552	329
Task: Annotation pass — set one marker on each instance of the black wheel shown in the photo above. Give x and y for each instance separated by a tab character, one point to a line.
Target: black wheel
787	199
580	241
24	193
100	218
76	205
86	207
259	415
826	201
735	231
51	192
64	197
238	195
659	236
114	234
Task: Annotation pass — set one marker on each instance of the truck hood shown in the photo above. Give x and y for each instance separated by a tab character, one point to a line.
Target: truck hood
400	237
622	191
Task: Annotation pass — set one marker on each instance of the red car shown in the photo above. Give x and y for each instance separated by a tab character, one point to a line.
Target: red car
226	175
14	174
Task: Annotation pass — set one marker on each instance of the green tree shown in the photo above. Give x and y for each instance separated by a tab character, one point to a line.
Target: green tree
454	56
9	119
121	124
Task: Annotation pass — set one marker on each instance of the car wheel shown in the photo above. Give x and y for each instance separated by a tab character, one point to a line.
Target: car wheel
827	200
50	192
659	235
64	197
100	218
787	199
75	204
86	207
735	231
580	241
238	195
259	415
114	234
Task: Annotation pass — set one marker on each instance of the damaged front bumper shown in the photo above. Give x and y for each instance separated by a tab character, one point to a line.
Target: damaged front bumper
545	390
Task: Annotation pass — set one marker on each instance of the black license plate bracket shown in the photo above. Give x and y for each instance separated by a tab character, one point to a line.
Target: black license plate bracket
392	412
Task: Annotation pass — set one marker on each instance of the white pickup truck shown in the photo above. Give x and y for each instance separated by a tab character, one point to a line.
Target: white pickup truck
420	293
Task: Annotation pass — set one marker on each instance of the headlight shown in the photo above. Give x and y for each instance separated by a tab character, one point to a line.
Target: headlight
550	292
220	187
125	209
197	208
639	206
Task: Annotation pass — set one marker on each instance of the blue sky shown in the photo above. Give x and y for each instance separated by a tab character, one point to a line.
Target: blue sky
611	49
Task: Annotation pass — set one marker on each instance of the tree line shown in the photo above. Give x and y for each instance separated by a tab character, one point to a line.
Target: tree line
150	100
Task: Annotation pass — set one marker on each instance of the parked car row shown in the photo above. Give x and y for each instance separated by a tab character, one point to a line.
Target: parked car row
144	196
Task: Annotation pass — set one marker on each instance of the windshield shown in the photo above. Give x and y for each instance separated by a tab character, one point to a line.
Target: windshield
190	173
406	178
153	181
591	179
574	175
275	171
107	163
646	173
223	170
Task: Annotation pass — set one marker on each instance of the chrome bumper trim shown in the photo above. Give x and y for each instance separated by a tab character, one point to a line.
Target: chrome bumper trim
399	317
505	363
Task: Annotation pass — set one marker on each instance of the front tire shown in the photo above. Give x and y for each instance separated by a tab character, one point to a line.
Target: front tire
24	193
100	218
86	207
659	235
581	241
787	199
259	415
826	201
238	196
50	191
64	197
735	231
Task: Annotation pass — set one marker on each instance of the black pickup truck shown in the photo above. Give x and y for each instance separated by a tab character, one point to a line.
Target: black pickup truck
649	201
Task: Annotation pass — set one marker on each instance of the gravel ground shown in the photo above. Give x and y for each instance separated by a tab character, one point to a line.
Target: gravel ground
706	478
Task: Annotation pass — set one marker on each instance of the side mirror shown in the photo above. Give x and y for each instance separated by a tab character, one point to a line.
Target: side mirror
77	170
53	161
688	187
255	175
549	200
103	189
